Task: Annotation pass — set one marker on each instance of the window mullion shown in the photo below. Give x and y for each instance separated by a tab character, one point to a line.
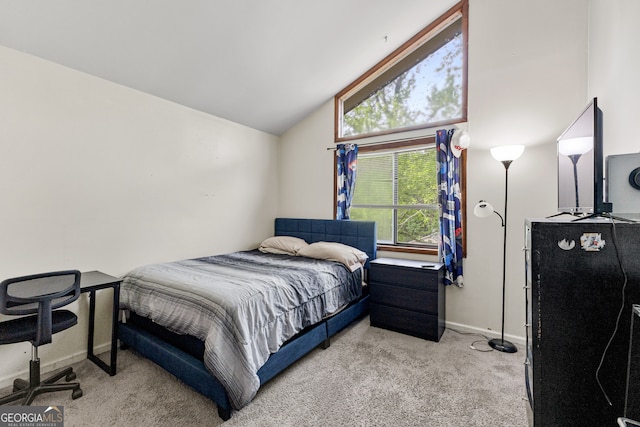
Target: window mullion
395	198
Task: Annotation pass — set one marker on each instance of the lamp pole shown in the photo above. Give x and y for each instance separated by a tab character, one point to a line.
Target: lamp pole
501	344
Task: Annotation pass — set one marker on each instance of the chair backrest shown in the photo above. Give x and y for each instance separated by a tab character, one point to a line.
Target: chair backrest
39	294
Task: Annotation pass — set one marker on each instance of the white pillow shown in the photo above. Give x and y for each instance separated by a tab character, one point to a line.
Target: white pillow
286	245
351	257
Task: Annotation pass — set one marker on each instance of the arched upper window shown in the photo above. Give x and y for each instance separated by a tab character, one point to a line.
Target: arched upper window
422	84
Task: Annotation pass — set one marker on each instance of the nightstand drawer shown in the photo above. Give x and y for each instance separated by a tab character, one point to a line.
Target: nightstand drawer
417	278
407	298
407	322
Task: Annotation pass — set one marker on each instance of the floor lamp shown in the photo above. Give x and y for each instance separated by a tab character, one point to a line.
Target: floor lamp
505	154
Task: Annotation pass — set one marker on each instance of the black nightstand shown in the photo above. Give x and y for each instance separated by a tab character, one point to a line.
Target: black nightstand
407	296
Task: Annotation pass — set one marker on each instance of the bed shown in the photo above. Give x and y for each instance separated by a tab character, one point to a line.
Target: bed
230	373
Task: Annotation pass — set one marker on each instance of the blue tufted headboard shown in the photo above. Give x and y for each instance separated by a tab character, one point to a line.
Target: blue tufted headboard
359	234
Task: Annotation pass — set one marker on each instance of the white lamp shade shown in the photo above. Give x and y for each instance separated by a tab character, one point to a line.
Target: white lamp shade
573	146
507	152
483	209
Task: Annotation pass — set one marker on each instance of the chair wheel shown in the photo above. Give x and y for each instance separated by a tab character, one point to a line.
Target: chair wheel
20	384
70	377
77	393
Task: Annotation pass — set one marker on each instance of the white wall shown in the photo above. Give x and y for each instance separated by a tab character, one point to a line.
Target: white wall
96	176
614	60
527	81
306	167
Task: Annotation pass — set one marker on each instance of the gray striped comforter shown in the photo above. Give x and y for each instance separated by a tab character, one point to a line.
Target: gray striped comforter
243	305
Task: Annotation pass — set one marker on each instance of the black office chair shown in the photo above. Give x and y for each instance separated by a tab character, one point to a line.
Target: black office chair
39	295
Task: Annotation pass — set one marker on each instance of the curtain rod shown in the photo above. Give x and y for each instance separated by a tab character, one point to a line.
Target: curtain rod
385	142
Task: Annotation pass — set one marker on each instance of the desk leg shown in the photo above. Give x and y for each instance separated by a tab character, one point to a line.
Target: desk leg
111	368
114	329
92	323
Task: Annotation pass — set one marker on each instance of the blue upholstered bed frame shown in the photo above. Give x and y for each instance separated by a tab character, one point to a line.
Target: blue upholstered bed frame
191	370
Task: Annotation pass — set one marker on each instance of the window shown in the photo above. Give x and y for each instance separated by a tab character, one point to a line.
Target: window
397	187
422	84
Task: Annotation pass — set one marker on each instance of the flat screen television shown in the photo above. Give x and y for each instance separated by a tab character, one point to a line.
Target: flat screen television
581	165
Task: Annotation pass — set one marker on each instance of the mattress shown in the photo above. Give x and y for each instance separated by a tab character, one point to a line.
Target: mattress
243	306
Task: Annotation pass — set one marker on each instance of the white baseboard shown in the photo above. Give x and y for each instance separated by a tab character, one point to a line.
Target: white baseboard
486	332
50	366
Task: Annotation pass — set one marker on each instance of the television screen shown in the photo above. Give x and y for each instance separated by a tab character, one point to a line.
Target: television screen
581	165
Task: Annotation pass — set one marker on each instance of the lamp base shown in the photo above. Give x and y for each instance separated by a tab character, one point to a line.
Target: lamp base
502	345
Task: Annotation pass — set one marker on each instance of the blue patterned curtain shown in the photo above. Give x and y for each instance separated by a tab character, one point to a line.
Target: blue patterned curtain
450	199
346	161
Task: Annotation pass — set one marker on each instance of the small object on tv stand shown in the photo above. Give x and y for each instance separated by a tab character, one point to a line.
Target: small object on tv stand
562	213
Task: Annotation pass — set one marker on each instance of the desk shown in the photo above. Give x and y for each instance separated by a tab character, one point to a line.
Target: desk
91	282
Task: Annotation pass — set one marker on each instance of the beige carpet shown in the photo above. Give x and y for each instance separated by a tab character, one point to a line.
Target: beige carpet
368	377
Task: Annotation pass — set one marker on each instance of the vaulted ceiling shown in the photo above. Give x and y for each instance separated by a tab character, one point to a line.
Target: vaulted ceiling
262	63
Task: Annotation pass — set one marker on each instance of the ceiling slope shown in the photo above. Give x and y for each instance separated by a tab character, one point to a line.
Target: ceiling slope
264	64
